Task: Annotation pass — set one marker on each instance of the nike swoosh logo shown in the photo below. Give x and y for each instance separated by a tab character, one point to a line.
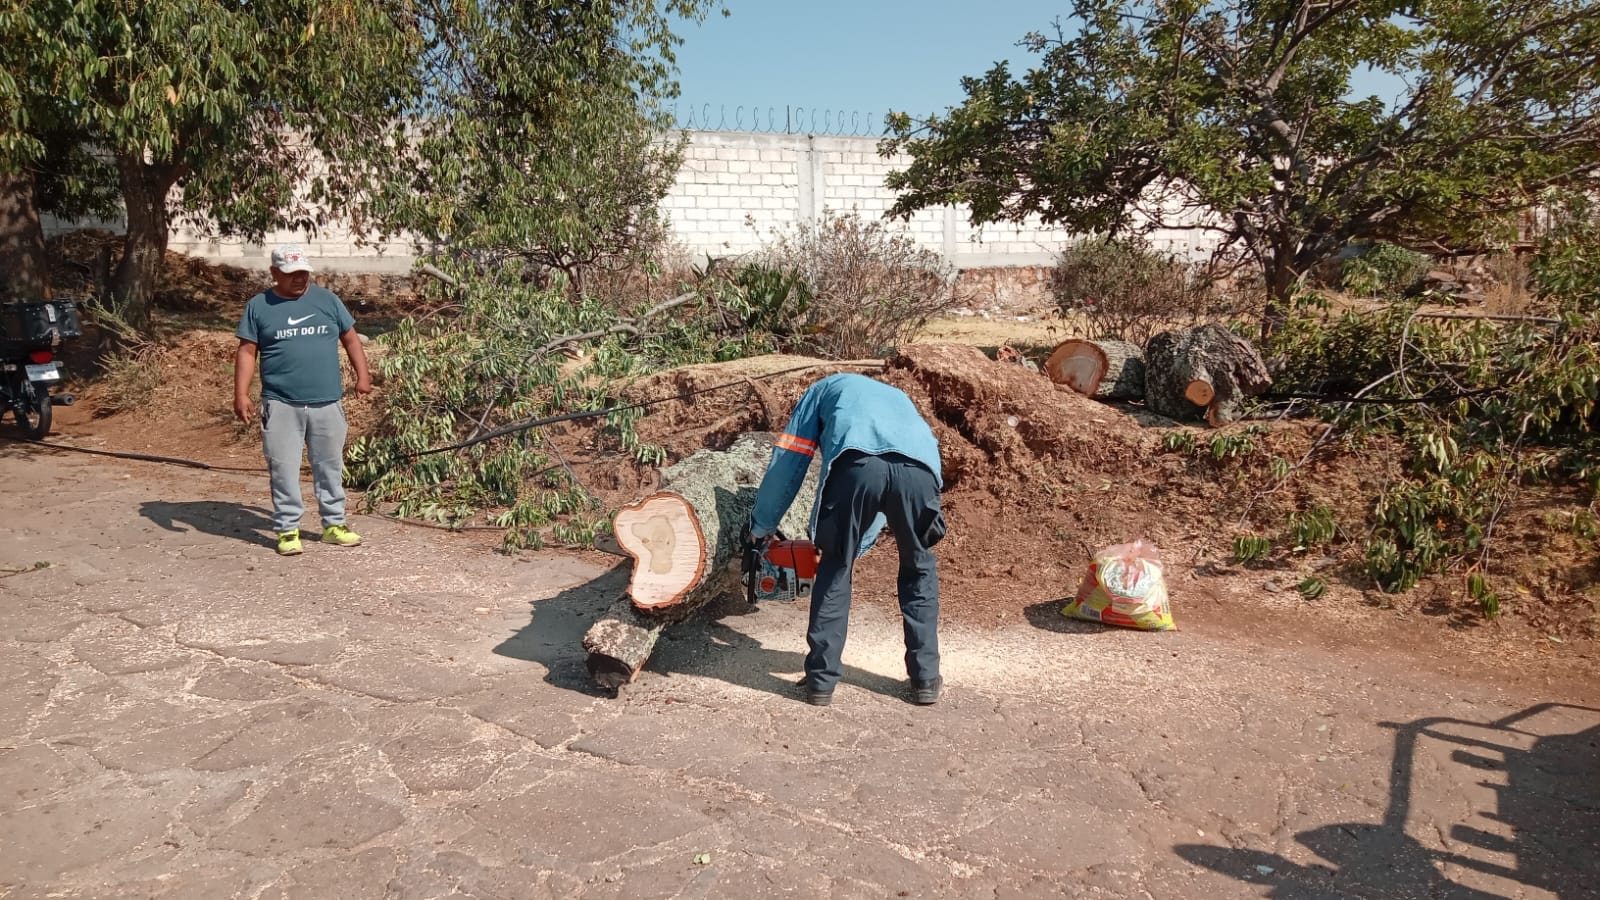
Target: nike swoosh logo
301	319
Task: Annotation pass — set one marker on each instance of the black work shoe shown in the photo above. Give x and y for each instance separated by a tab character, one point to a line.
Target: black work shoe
926	693
813	696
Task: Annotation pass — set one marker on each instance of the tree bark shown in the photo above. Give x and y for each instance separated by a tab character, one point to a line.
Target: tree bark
712	493
1281	280
1207	370
619	643
144	196
24	266
1107	370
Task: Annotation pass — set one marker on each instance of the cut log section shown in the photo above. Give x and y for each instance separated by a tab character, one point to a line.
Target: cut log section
1207	370
662	534
684	541
619	643
1106	370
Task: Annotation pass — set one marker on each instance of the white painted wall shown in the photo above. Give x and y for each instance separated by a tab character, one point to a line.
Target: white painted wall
734	191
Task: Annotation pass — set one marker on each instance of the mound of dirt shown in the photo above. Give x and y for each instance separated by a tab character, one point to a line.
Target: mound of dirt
1037	480
1019	461
1000	425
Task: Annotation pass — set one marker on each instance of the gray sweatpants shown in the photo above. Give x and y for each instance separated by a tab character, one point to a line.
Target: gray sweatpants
287	431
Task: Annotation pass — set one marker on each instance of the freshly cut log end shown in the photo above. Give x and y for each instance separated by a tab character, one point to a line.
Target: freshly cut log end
662	534
1104	369
1200	393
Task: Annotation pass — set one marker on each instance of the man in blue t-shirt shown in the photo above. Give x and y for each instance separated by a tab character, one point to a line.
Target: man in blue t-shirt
880	466
295	329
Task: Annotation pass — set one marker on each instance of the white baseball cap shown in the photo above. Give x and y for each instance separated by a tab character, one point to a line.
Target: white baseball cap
288	258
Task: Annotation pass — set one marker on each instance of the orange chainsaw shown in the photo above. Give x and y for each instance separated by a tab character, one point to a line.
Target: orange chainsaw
778	569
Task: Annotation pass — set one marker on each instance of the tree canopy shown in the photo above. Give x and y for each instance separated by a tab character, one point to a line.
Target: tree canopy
544	139
281	113
1241	116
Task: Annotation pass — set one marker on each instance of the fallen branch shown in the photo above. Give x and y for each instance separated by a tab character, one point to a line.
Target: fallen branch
431	269
1492	317
623	326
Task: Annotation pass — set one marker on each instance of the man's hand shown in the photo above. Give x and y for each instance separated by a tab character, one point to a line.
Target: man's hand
244	409
364	385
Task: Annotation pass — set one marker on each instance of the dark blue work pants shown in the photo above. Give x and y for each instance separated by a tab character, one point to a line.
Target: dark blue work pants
860	486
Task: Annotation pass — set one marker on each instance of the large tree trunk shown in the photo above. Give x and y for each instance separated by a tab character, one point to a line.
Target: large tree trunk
24	267
1207	369
684	541
1281	281
1107	370
144	196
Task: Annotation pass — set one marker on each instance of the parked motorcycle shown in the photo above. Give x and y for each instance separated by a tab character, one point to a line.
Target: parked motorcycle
31	335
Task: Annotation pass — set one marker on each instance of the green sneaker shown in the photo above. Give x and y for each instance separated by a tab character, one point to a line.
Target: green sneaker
340	536
289	543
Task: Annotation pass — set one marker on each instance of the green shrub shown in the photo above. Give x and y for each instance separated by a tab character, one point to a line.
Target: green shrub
1384	270
499	361
1481	408
1127	291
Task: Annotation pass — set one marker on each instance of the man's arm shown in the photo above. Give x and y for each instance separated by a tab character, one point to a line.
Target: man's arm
787	471
358	360
244	369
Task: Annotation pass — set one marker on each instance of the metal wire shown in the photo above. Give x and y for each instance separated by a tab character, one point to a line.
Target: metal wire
779	120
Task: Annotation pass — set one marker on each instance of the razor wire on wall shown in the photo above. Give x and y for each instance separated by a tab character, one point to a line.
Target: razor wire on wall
779	120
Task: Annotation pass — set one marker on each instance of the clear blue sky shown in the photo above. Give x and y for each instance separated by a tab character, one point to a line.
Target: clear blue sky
861	56
865	56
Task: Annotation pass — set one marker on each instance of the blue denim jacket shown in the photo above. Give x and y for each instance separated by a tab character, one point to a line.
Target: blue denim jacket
839	413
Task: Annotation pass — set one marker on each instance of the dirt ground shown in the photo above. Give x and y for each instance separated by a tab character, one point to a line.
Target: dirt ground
1036	482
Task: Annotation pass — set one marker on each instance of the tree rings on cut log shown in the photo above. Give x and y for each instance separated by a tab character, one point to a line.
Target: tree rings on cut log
1200	393
663	536
1103	369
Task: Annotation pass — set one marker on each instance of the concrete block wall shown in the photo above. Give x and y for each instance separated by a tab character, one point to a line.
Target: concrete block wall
734	192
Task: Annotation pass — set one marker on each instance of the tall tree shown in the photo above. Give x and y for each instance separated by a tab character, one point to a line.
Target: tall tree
246	116
1239	116
547	143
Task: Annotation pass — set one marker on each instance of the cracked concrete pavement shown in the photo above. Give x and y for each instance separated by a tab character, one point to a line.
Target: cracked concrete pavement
185	715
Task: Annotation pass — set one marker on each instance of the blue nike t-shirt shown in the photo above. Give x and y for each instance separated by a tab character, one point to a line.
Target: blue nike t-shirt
299	344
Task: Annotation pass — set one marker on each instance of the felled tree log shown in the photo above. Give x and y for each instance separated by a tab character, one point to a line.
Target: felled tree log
1105	370
684	541
1207	370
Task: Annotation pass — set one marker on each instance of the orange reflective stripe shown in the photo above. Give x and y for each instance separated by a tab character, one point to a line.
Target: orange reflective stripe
796	444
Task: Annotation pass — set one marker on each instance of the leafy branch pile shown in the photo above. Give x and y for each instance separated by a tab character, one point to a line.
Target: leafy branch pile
515	350
1503	407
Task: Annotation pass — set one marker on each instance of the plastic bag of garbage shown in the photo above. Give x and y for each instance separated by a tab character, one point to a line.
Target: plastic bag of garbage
1124	586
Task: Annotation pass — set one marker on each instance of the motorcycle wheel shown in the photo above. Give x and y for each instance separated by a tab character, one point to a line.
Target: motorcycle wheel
33	411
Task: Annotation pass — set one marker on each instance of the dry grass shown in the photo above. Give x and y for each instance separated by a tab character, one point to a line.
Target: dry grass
128	382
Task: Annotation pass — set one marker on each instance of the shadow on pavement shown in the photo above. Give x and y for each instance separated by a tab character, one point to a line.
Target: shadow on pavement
553	637
251	524
751	664
704	645
1542	833
1047	616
